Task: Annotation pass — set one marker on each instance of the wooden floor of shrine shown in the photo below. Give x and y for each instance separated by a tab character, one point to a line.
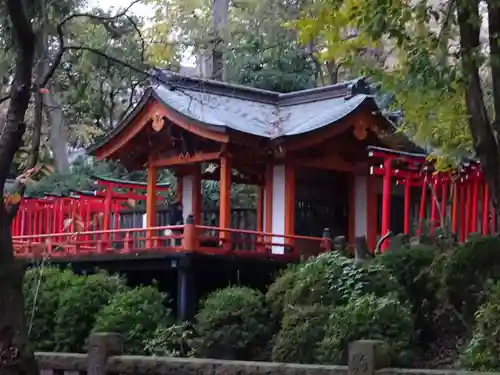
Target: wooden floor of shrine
168	243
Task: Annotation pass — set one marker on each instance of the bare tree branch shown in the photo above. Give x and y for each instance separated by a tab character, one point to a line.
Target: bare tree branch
141	37
60	36
110	58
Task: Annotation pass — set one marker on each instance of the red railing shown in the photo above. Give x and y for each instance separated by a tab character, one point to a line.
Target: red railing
169	239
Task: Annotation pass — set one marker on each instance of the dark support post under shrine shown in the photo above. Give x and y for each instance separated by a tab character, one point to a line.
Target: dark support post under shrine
186	290
386	201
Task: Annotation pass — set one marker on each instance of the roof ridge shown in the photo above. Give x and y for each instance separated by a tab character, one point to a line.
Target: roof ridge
177	80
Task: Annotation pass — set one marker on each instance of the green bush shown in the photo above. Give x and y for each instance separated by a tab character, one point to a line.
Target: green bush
232	323
370	318
78	305
414	270
135	314
466	271
276	293
44	286
171	341
330	279
302	329
483	350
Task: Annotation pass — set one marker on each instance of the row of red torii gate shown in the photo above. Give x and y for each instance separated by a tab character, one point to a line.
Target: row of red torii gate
323	162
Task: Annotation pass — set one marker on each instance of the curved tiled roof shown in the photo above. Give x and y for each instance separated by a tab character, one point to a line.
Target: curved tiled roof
257	118
225	107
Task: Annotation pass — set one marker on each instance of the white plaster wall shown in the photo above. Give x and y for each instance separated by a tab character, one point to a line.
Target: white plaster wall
187	195
361	206
278	207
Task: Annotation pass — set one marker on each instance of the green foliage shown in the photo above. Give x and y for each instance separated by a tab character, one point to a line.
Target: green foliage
43	287
79	178
467	271
268	58
232	324
244	196
413	269
171	341
302	329
264	64
94	89
307	294
331	279
367	317
135	314
483	350
405	46
276	293
78	306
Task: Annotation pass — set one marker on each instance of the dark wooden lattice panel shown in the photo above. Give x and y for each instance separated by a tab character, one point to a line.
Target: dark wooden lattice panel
321	202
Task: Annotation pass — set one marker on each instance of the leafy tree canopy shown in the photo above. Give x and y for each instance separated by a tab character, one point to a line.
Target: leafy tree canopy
268	57
419	65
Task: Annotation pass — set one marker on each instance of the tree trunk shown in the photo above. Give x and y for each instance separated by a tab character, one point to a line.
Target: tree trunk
16	357
15	354
58	139
220	12
483	136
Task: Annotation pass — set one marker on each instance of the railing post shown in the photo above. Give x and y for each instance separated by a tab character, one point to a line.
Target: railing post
126	242
48	244
367	356
189	238
101	347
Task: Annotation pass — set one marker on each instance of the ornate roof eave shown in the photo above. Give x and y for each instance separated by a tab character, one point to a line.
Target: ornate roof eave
149	96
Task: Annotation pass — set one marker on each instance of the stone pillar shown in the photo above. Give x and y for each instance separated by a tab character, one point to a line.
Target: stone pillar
367	356
101	347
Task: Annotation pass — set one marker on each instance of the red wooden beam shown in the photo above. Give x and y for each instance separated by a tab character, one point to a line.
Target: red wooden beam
421	212
475	199
444	198
386	201
434	194
454	209
486	209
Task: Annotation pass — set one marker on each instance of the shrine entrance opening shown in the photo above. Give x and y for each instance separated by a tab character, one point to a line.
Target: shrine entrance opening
321	201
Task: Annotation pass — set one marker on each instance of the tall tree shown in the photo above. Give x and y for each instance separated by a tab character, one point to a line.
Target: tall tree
27	82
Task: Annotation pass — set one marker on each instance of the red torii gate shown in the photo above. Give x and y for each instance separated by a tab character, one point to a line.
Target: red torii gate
78	210
466	186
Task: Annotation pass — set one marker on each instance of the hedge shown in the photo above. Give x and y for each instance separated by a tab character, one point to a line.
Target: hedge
232	323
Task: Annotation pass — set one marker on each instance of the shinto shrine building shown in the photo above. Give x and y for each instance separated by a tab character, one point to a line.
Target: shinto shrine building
306	152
